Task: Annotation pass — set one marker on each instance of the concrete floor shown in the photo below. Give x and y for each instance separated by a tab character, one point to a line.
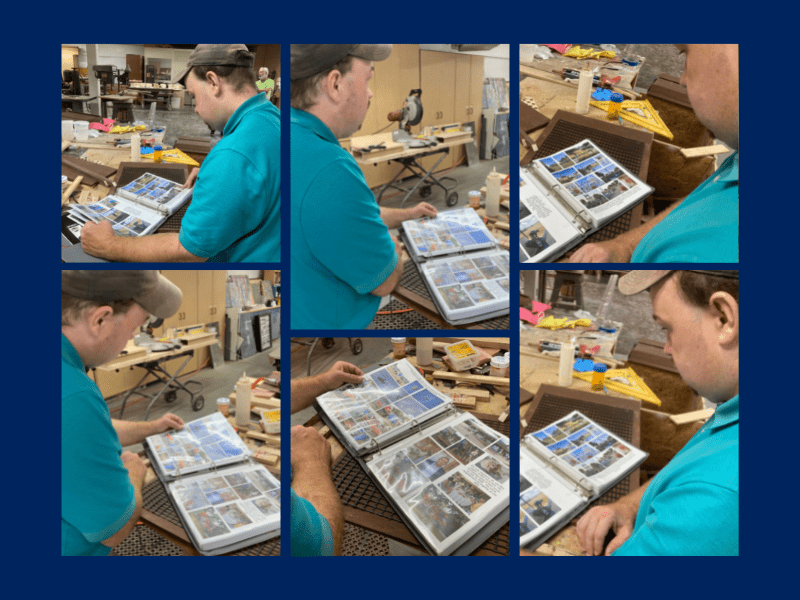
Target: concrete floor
216	383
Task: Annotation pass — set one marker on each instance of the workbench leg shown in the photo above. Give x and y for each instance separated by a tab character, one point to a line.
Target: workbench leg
166	386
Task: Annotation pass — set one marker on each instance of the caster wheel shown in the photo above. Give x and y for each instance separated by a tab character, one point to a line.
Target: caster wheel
170	396
357	346
198	403
327	343
425	191
452	199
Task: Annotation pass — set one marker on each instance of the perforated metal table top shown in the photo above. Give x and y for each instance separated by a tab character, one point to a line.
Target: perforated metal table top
159	513
366	506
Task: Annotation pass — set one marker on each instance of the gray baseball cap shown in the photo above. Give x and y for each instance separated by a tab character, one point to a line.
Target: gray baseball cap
310	59
216	55
149	289
638	281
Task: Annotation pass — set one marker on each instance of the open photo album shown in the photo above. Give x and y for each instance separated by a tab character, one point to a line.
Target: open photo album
462	265
225	500
565	197
564	467
443	470
134	210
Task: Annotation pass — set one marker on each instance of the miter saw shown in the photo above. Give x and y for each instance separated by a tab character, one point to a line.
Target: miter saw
144	339
410	114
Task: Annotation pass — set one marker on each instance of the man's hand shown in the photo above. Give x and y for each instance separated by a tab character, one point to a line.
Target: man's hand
309	450
168	421
192	177
423	209
341	373
602	252
593	527
136	468
97	239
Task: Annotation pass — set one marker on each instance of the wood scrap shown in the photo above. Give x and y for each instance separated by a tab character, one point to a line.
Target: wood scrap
704	151
72	187
479	379
695	415
264	403
264	437
462	401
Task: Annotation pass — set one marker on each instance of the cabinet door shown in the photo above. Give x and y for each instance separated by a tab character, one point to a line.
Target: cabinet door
276	323
437	80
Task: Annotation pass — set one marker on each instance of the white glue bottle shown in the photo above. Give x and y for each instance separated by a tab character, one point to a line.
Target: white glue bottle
584	91
243	395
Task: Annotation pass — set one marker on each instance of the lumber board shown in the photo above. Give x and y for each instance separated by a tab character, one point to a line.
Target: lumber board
486	379
695	415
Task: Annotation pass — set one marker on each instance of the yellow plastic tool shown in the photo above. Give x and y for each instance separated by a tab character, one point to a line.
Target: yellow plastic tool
174	156
637	388
651	120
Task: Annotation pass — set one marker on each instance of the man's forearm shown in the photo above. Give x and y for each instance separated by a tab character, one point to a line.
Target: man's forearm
305	390
160	247
630	239
133	432
394	217
313	482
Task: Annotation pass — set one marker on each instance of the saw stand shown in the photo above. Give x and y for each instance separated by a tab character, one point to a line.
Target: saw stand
426	178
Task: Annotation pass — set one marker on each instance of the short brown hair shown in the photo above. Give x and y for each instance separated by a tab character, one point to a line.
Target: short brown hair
304	91
698	287
73	308
240	78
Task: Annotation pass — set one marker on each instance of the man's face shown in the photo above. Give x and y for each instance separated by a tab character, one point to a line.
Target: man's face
119	328
357	95
262	74
711	78
207	105
690	337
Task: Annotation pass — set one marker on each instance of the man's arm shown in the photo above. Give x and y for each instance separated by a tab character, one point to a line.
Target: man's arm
621	248
306	389
98	239
394	217
620	516
136	472
132	432
311	472
393	279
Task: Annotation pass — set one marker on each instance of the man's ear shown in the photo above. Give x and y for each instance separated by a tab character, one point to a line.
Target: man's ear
214	82
98	317
331	85
725	312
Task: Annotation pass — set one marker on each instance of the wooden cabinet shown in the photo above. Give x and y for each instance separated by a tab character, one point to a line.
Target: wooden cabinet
393	79
452	92
203	302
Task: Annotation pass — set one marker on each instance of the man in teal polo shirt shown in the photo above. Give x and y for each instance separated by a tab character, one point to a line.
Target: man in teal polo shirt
234	215
317	523
101	486
692	506
343	257
704	227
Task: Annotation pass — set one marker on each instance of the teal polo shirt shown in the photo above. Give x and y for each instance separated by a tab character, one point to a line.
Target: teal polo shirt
691	508
97	497
311	532
702	228
238	191
341	249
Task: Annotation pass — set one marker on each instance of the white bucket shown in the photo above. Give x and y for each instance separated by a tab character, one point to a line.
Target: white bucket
81	131
176	102
67	130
